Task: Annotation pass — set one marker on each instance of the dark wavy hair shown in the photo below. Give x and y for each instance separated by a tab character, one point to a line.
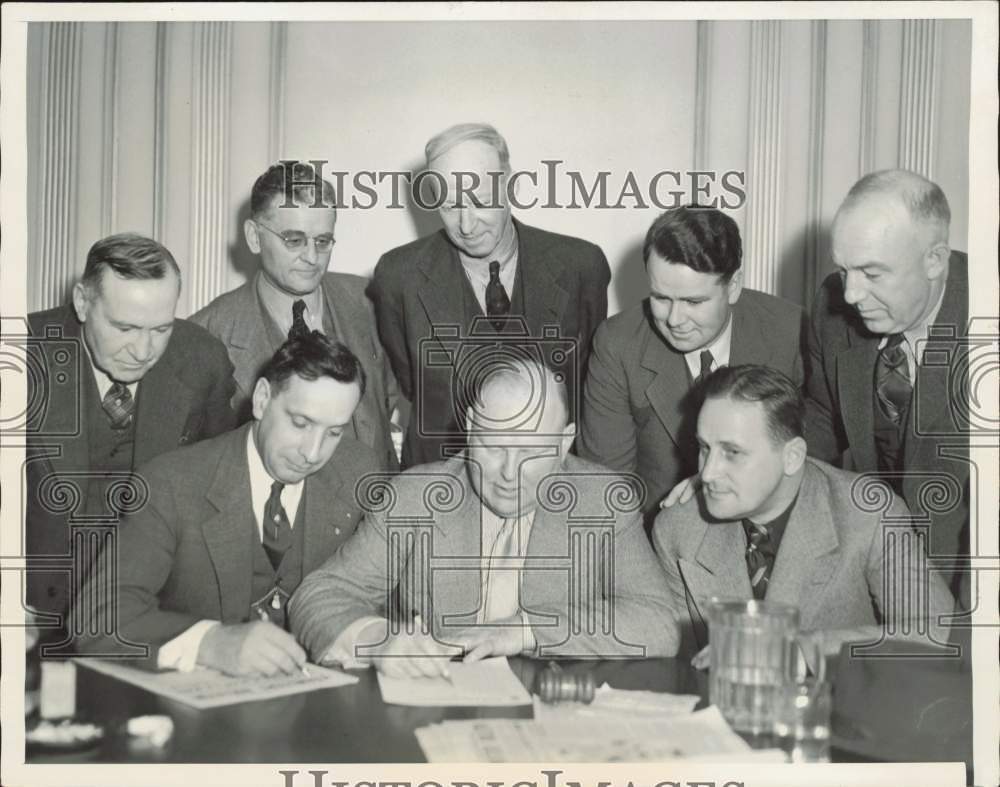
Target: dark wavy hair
310	357
782	400
704	239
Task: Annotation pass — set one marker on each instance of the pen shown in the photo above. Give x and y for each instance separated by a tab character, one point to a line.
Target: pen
418	624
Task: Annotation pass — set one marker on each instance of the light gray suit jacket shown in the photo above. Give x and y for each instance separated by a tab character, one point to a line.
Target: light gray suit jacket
831	562
237	318
423	542
639	410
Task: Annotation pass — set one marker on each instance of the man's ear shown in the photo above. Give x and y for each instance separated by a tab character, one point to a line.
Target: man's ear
794	455
252	234
81	301
734	287
936	260
261	396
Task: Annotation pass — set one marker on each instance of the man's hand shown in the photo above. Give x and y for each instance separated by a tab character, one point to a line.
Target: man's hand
702	658
416	655
258	647
508	637
681	493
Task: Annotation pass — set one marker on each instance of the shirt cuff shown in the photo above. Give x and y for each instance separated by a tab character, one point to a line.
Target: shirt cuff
181	653
343	651
528	643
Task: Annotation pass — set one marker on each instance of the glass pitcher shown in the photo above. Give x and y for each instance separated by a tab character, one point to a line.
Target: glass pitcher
755	652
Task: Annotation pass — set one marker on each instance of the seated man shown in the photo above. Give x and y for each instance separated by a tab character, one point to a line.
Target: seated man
640	399
480	547
770	523
232	524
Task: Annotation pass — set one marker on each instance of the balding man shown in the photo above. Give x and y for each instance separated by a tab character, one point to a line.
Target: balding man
884	357
485	277
480	549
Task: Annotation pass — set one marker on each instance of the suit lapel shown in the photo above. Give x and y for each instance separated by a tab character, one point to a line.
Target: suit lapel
544	300
670	387
719	568
227	534
807	554
248	343
855	380
748	343
437	293
162	406
67	412
320	498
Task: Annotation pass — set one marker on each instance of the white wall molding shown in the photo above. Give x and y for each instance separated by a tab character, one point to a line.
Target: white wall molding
869	96
276	90
918	91
813	261
761	249
702	94
210	130
160	124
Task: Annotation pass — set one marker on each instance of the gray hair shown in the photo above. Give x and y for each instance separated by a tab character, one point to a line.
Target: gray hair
441	143
923	199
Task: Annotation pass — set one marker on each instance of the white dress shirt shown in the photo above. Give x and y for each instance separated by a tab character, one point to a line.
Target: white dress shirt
719	347
912	337
181	653
279	306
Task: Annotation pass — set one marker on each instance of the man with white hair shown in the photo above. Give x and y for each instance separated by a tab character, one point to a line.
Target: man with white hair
484	278
487	553
886	366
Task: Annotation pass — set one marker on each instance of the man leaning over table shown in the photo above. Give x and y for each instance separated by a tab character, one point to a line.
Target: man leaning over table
206	567
769	523
502	504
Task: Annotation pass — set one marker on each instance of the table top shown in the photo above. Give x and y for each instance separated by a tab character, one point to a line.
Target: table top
874	716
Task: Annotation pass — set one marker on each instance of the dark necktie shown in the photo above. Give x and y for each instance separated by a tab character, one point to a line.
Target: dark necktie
497	302
277	530
760	557
706	366
892	382
299	327
119	405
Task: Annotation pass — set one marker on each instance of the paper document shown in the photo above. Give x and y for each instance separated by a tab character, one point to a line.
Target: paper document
207	688
489	682
609	703
704	735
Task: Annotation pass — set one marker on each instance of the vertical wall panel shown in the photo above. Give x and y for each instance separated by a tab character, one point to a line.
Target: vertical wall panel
917	111
135	189
276	89
951	168
815	244
109	145
764	164
869	95
210	129
59	122
161	86
702	95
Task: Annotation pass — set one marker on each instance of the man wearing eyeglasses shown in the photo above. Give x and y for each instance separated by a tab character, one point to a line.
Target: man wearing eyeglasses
291	229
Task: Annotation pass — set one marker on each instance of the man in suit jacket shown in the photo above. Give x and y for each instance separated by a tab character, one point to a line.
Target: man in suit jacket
641	398
294	240
887	354
447	301
205	568
490	550
770	524
119	381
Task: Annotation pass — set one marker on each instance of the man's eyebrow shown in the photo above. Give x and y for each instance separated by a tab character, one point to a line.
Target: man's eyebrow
120	324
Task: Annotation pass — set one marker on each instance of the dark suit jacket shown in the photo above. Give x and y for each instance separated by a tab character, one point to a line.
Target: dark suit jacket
187	555
830	563
418	287
184	398
840	421
436	504
639	413
237	318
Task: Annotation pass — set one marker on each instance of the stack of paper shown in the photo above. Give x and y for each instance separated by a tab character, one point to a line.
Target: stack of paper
489	682
702	735
610	703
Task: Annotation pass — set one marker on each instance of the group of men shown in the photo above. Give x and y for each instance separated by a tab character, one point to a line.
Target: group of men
270	522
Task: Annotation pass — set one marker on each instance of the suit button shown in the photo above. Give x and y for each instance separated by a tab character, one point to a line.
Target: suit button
348	514
336	531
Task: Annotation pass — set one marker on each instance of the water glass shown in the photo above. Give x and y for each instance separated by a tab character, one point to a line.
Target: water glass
802	720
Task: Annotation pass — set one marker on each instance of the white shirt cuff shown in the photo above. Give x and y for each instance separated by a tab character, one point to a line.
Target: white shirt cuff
343	649
181	653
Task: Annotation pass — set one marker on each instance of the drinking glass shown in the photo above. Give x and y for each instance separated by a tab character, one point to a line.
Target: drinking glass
802	720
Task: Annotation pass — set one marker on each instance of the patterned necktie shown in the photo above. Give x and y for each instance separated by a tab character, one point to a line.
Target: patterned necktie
892	381
299	327
497	302
119	405
758	553
706	366
277	530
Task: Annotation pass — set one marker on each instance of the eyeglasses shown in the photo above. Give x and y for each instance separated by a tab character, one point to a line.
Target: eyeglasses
296	240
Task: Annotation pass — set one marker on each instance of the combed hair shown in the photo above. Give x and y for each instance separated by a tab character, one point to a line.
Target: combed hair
704	239
923	199
310	357
522	369
782	399
293	183
131	256
441	143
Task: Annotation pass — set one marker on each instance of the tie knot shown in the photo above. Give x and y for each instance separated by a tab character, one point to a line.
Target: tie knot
894	340
756	534
297	308
276	489
706	362
495	271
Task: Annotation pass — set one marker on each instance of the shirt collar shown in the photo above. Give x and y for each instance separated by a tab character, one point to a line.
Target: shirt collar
719	347
261	481
104	382
279	304
480	268
919	333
